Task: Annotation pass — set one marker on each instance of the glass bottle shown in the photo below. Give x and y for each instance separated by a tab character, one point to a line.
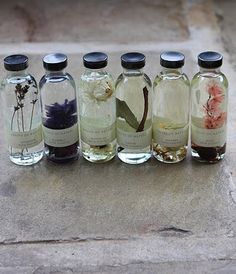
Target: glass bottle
171	109
21	112
97	107
59	110
209	100
134	110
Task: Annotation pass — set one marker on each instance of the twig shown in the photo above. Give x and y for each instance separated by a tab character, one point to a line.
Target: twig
32	113
145	112
12	119
17	102
22	120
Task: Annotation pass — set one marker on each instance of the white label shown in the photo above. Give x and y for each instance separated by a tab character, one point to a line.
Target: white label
208	137
134	140
25	139
97	136
171	137
61	137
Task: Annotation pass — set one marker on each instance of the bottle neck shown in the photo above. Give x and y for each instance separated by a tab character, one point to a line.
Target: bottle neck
209	70
133	72
171	70
19	73
98	71
57	72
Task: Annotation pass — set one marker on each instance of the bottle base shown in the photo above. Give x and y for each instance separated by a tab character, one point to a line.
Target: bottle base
169	155
62	161
99	154
26	160
61	155
97	158
208	154
134	158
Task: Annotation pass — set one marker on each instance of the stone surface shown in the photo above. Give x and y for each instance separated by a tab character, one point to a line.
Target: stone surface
225	13
80	21
169	255
116	218
216	267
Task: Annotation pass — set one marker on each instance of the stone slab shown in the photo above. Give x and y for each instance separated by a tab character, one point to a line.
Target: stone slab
115	218
50	202
147	254
207	267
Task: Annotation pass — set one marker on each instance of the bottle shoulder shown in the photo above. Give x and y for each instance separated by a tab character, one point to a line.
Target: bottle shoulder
26	80
89	76
124	79
209	76
56	79
171	77
18	79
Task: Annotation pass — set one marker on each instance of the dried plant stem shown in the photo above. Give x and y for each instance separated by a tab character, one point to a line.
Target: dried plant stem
145	112
31	118
207	106
22	120
23	127
12	119
18	124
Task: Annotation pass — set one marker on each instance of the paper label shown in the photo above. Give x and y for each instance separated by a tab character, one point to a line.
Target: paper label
171	137
96	135
25	139
61	137
134	140
208	137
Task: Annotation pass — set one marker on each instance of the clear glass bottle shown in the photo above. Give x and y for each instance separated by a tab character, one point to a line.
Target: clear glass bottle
134	110
209	100
97	108
21	112
171	109
59	110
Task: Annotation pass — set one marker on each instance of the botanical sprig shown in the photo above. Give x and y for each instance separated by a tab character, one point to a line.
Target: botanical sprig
60	116
21	92
99	91
215	117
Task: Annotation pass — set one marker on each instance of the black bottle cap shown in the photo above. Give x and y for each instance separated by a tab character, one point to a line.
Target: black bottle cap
210	59
55	61
16	62
95	60
133	60
172	59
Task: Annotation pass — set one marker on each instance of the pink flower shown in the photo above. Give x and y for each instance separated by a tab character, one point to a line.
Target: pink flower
215	90
213	104
214	118
212	107
212	122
